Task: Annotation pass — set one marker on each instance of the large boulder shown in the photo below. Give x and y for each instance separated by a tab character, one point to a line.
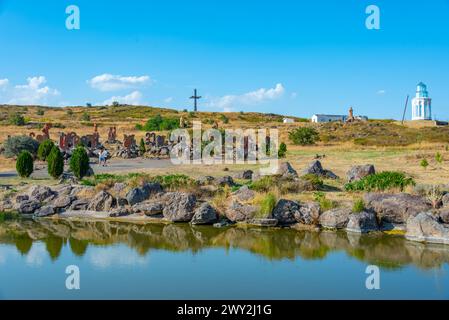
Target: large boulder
308	214
63	202
445	200
103	201
263	222
357	173
395	208
424	227
316	168
120	212
45	211
205	214
40	193
79	205
143	193
286	171
335	218
244	194
205	180
362	222
285	211
225	181
444	215
245	175
149	208
179	206
28	206
238	212
290	212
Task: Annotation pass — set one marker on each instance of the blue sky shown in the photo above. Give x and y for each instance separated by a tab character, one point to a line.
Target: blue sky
288	57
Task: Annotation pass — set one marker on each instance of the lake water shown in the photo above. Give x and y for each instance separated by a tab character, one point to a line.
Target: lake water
132	261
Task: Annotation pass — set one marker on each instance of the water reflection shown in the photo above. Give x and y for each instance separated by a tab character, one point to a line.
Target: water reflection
383	250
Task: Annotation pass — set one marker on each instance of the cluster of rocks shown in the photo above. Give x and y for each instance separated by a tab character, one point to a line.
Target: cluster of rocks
411	214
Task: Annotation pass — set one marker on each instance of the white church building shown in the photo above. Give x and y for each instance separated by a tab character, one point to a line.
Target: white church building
422	104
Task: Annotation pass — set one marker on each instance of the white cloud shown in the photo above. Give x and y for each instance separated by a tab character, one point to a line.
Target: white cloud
381	92
134	98
119	256
109	82
34	92
168	100
229	102
4	82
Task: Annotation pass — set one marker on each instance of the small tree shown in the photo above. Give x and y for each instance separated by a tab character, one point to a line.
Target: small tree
55	162
142	147
282	150
89	105
25	164
424	163
44	149
79	162
40	112
17	120
115	104
304	136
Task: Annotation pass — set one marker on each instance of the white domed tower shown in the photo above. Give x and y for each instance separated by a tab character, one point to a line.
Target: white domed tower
422	104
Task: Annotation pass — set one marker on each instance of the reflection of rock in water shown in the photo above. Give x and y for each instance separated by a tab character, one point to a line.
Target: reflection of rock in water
375	248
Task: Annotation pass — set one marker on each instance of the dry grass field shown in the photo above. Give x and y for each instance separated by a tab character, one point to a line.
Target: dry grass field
386	144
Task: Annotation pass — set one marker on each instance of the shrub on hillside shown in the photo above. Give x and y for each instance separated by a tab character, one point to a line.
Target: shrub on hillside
44	149
15	145
304	136
25	164
159	123
17	120
381	182
79	162
55	162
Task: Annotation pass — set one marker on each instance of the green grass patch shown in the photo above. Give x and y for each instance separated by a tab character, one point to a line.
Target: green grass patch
384	181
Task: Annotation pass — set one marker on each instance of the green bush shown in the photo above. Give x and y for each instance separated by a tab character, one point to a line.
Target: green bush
224	118
15	145
304	136
44	149
359	206
85	117
159	123
79	162
264	184
17	120
25	164
325	204
381	182
55	162
282	150
267	205
40	112
424	163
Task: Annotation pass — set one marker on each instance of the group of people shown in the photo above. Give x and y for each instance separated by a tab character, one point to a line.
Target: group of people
103	157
